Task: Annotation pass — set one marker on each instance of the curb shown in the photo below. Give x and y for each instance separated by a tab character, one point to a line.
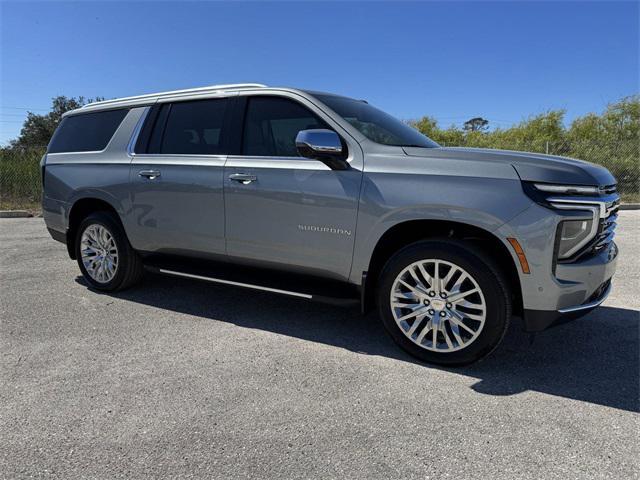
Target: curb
629	206
15	214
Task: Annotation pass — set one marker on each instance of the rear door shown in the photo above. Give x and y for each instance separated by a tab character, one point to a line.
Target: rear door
176	179
282	208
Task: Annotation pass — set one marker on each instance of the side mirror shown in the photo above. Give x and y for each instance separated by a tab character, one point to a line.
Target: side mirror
323	145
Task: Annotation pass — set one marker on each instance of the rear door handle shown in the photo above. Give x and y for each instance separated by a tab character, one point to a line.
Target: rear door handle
243	178
150	174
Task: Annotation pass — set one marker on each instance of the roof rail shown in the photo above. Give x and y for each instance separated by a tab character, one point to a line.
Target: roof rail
230	86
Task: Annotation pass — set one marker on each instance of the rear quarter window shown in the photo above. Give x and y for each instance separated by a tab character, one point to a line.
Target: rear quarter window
86	132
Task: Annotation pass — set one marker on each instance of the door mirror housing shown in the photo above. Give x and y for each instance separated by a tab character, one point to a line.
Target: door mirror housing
324	145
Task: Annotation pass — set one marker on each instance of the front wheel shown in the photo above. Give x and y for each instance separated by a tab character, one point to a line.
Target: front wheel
444	302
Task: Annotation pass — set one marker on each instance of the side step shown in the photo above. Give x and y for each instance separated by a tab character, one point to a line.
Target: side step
237	284
292	285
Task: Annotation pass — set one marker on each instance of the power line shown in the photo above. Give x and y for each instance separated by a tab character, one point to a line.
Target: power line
25	108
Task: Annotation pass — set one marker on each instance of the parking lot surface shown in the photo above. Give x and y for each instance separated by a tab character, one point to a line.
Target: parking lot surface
187	379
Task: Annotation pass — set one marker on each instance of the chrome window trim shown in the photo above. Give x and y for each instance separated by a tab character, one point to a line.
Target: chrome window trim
92	161
179	159
257	161
196	97
136	131
88	152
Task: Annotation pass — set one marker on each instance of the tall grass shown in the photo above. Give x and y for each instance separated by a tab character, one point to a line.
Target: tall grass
20	177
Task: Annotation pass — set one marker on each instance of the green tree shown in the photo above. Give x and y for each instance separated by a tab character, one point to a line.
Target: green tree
428	126
611	139
536	134
620	122
476	124
38	129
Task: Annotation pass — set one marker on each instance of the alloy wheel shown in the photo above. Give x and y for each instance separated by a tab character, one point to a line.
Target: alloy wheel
99	253
438	305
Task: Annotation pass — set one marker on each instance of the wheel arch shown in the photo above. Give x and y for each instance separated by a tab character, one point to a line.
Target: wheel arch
411	231
79	210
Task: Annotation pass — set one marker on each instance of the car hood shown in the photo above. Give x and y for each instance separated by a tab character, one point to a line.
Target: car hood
535	167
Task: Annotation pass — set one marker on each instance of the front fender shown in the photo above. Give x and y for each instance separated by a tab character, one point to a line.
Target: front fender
388	200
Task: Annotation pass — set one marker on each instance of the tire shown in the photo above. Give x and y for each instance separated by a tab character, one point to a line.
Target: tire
485	313
128	265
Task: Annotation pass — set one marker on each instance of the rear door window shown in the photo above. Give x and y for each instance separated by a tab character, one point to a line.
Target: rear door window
86	132
272	124
194	128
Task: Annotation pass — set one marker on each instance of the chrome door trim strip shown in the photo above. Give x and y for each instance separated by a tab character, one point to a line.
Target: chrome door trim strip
297	163
90	161
179	160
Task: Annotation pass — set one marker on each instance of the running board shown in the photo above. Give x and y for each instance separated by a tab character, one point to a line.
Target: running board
321	293
237	284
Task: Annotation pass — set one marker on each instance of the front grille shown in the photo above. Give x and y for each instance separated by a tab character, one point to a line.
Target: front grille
608	189
606	225
606	229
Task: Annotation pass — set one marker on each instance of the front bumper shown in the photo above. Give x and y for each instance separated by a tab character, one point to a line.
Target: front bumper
554	292
538	320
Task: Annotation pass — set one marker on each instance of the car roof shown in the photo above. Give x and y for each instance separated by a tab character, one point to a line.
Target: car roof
146	99
150	98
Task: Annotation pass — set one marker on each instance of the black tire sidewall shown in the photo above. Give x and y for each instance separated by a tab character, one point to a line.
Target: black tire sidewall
106	220
476	263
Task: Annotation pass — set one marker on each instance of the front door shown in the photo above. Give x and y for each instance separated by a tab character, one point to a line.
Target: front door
177	203
282	208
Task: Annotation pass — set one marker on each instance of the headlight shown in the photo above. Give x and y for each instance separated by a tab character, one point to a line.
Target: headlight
542	193
567	189
574	234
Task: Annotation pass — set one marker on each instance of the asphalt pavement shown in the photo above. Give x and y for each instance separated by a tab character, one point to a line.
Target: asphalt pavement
186	379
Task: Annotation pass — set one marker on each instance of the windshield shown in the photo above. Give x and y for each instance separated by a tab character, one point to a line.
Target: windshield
375	124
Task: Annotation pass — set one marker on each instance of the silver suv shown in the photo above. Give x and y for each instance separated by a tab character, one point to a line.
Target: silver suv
324	197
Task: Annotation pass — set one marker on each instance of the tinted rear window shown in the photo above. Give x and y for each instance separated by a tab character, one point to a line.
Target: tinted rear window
195	128
86	132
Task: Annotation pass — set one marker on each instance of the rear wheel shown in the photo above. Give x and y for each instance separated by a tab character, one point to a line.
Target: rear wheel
105	257
444	302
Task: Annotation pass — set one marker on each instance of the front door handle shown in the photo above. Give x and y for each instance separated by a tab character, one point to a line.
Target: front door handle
243	178
150	174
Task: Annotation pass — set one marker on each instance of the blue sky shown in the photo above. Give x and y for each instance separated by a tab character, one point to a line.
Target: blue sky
454	60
